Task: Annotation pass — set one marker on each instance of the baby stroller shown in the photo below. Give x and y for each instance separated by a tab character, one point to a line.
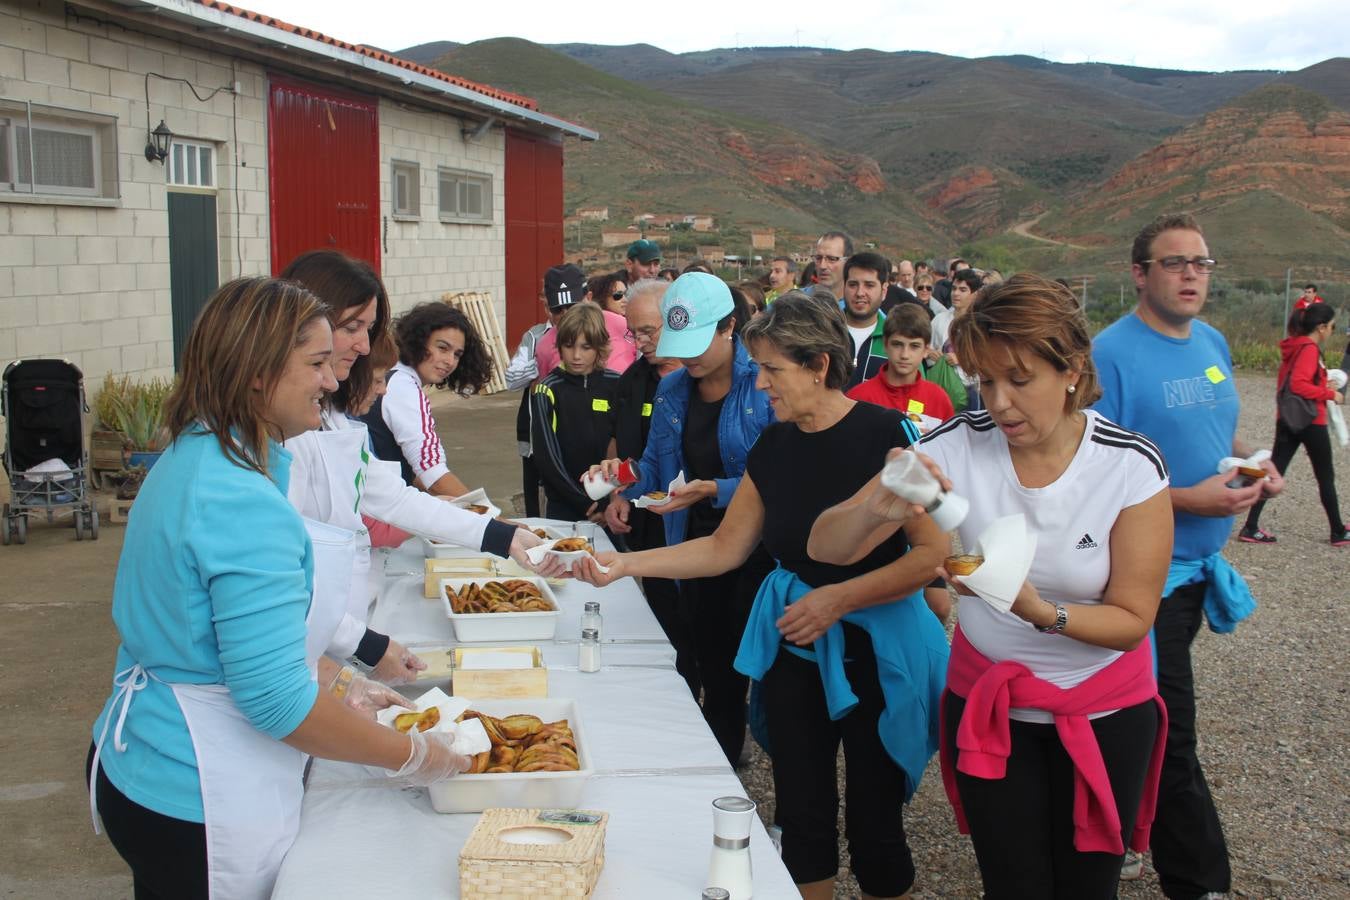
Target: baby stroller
45	455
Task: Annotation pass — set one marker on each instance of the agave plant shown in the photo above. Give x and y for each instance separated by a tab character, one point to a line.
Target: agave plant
138	412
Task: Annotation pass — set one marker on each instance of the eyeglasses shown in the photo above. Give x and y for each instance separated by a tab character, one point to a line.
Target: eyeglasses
923	287
647	332
1202	265
821	257
617	295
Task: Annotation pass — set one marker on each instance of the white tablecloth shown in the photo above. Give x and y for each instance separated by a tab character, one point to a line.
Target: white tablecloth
657	770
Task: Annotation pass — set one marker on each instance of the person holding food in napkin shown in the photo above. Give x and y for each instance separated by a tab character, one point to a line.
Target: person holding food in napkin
1051	685
336	477
845	654
225	600
705	417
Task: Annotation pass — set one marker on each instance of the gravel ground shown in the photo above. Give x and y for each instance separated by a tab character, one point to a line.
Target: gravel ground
1273	727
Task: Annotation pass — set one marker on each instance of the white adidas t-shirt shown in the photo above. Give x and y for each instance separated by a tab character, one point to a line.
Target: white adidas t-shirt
1072	518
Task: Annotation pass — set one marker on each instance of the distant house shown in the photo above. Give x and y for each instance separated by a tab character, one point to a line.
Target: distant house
275	140
762	239
594	213
701	223
713	256
615	237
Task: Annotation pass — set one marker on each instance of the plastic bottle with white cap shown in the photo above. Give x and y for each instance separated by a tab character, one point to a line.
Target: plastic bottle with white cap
909	479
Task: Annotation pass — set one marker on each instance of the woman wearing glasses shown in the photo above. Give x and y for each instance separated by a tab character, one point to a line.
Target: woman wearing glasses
611	292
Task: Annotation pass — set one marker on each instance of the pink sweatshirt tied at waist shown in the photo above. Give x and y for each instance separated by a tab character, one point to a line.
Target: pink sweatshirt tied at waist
983	740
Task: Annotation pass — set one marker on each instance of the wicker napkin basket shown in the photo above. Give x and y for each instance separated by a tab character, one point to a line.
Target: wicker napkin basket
491	866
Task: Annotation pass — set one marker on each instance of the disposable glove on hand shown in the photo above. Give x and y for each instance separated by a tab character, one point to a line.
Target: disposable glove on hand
431	760
365	695
399	665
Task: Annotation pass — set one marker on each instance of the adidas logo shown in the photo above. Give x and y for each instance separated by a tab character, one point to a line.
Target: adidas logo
1086	543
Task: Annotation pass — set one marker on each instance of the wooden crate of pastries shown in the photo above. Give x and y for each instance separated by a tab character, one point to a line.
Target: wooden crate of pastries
493	866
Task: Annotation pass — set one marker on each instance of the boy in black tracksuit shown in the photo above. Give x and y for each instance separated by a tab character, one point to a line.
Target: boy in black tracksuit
573	413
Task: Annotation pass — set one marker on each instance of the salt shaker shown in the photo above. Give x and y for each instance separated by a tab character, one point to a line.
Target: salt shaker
589	654
591	618
716	893
729	867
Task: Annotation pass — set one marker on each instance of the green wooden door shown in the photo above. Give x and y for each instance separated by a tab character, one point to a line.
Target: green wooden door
194	271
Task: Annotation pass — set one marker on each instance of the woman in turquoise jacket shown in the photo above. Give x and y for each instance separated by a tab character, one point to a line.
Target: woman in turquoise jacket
705	419
219	691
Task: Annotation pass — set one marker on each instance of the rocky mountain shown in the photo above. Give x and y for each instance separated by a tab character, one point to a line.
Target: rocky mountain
922	152
663	154
1270	172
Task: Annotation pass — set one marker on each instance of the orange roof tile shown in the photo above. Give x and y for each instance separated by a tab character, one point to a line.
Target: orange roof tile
486	90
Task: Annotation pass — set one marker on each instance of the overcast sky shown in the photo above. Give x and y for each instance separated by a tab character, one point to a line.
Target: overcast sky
1211	35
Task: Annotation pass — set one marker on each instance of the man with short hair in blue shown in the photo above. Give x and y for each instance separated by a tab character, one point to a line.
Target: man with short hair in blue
1170	376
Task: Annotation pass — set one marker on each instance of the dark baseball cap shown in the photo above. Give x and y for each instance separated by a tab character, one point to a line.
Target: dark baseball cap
563	286
644	250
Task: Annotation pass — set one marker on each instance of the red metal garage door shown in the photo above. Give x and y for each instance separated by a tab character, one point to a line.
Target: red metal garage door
534	235
323	152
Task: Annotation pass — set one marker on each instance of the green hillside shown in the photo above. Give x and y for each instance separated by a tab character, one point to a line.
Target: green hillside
663	154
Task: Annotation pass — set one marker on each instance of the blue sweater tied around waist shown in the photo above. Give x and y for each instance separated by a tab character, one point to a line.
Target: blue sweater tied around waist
911	650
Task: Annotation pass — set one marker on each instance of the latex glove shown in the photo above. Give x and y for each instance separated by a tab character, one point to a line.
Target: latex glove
365	695
522	540
430	760
399	665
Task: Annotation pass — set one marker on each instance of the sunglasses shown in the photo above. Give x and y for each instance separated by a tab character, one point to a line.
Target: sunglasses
923	287
617	295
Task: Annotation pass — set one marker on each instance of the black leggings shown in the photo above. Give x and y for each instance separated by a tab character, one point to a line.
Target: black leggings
805	749
1317	441
1022	824
167	856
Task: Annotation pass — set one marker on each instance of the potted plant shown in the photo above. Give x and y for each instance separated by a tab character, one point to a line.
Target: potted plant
107	444
139	415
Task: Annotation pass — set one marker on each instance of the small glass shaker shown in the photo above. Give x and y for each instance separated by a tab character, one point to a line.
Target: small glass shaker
589	654
591	618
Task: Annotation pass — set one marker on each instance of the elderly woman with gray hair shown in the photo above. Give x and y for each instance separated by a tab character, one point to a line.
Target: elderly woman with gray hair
845	653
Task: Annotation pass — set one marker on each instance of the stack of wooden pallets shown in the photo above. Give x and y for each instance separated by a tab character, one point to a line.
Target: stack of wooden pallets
477	306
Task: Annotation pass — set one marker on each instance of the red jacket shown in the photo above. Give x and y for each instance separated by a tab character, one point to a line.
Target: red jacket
1309	378
922	396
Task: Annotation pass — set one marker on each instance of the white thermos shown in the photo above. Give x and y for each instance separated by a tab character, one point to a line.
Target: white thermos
729	867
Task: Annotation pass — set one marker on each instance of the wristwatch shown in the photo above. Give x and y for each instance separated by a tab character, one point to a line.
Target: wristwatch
1061	622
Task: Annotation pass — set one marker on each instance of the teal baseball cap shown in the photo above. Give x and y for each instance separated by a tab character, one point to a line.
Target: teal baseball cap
690	310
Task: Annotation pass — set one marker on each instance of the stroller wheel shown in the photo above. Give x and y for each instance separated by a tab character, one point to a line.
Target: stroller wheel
5	527
21	528
93	523
79	525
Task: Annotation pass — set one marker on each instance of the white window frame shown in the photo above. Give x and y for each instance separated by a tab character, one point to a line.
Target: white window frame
413	172
176	179
461	178
100	129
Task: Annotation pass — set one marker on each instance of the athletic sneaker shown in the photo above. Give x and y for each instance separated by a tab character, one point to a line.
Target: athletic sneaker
1133	867
1255	536
1341	540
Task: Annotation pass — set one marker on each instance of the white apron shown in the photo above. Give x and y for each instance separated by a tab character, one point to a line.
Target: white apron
251	784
